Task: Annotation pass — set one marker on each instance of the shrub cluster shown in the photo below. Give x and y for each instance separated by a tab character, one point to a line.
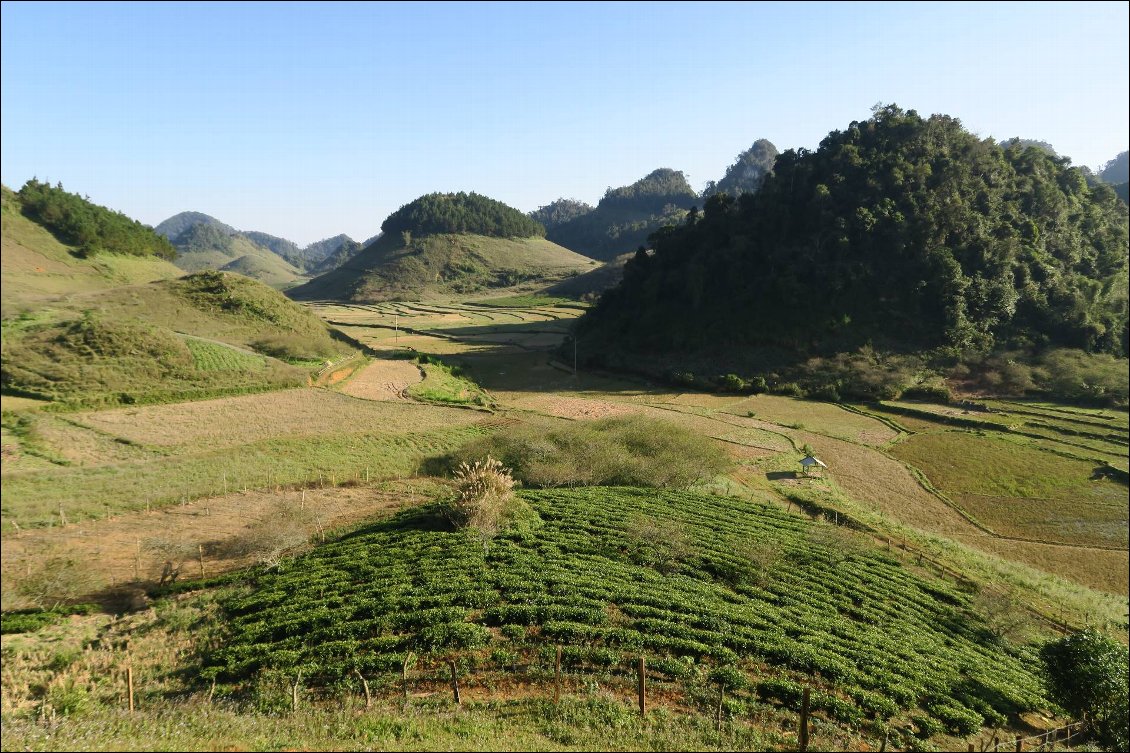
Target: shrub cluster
620	451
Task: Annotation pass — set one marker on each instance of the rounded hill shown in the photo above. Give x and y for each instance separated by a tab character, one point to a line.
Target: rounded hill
461	213
407	266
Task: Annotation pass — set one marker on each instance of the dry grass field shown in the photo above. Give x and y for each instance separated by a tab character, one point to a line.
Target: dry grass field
253	418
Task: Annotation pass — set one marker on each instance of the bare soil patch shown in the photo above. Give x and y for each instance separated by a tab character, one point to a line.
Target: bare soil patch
384	380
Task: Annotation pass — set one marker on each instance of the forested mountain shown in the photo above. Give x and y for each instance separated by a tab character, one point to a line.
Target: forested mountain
899	230
176	225
461	213
559	212
627	215
333	255
1117	170
88	227
319	250
747	172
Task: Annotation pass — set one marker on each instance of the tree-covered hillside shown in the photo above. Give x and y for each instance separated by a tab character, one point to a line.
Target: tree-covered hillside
1117	170
90	228
627	215
747	172
900	230
559	212
461	213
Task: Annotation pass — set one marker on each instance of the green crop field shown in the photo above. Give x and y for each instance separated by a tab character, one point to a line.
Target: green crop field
692	581
211	356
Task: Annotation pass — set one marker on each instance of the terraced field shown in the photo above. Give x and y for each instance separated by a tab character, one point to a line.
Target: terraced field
877	640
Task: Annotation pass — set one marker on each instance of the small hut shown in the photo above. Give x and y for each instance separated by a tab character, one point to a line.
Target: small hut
808	464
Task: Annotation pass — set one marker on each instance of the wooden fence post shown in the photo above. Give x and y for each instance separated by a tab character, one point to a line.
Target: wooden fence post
721	702
404	674
803	733
1019	744
641	686
454	683
129	685
557	677
294	693
200	550
365	687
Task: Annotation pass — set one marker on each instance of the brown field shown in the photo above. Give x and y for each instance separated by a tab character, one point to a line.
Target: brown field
384	380
112	549
823	418
1102	569
250	418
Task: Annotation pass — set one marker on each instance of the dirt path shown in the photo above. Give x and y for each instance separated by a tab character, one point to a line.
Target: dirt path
384	379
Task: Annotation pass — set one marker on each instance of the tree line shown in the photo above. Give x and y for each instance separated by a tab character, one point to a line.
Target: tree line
90	228
461	213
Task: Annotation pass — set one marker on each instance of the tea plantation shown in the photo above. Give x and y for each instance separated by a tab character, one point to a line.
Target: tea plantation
704	586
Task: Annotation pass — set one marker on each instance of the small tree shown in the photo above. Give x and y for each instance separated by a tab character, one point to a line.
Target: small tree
1087	674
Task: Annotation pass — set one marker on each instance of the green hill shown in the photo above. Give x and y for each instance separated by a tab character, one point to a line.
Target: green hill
35	266
205	334
87	227
209	244
443	265
900	231
460	213
203	242
710	589
626	216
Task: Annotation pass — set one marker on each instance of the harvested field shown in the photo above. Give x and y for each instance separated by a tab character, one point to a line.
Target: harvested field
249	418
114	548
384	379
1021	490
826	418
885	485
1103	569
575	407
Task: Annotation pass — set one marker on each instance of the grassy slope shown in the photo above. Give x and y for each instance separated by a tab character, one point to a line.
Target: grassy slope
442	265
595	281
244	257
35	267
130	346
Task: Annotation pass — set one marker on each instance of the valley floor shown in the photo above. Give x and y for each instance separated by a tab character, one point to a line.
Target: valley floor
144	494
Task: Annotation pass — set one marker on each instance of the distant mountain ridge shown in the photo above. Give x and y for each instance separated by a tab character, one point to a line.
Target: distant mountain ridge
204	242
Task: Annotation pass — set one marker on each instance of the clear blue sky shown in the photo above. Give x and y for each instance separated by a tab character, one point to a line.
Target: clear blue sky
307	120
